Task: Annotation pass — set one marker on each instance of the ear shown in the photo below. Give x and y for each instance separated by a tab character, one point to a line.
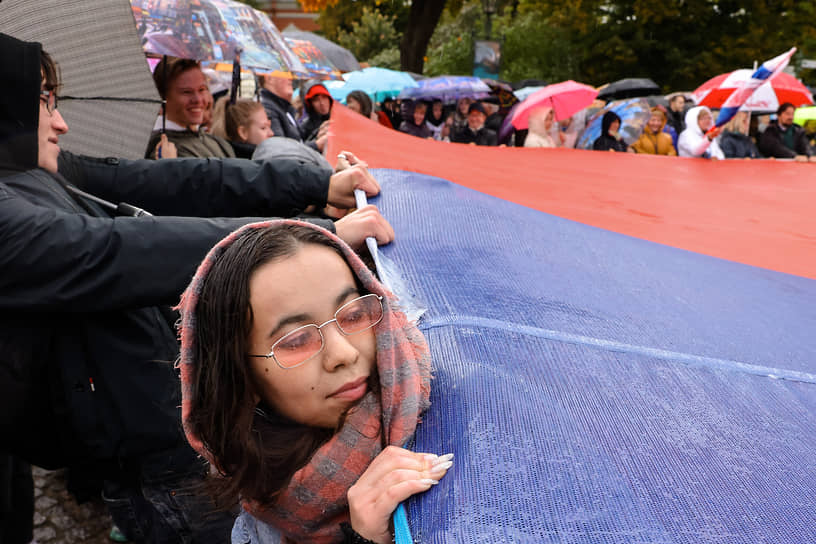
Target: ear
243	133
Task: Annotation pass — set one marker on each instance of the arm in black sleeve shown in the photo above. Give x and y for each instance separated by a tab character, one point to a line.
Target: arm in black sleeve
202	187
771	145
53	260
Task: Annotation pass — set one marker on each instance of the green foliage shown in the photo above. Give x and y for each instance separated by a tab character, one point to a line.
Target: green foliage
372	35
450	50
387	58
343	15
677	43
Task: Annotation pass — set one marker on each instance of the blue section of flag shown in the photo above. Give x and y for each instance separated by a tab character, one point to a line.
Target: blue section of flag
598	388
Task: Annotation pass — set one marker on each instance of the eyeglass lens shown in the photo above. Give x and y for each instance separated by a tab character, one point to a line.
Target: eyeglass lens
50	99
302	343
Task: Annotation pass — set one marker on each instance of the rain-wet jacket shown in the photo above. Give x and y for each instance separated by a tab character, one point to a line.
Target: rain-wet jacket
736	145
86	350
655	144
691	140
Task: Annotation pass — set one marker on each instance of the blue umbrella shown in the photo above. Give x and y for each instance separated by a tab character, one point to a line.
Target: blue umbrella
447	88
378	83
634	114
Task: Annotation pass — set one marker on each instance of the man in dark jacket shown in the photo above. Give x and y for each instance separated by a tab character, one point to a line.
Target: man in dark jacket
475	131
86	342
276	97
785	140
675	117
318	104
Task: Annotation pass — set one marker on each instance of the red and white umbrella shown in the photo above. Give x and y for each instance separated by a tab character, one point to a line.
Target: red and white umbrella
565	98
768	96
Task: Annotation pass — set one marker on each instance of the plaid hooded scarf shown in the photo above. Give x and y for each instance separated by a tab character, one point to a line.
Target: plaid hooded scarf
314	504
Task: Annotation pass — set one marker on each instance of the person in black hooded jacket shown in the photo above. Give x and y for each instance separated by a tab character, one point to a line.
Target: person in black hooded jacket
610	139
86	342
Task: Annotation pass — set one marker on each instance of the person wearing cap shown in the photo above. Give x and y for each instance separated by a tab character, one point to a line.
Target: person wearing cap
475	131
318	104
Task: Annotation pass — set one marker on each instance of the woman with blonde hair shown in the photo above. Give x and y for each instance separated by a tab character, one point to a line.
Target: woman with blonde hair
735	141
243	123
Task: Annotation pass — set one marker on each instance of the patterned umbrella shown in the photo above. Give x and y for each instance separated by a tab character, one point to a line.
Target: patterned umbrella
447	88
313	59
214	30
634	114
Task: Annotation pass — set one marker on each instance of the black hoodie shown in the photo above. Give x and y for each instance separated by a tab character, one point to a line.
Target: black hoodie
606	142
19	103
86	373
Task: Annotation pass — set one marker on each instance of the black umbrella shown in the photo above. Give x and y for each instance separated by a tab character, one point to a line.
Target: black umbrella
341	57
629	88
529	83
114	101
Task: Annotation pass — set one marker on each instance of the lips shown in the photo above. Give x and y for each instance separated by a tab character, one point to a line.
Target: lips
352	391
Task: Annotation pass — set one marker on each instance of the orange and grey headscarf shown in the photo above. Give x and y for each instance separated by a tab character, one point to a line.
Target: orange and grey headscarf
314	504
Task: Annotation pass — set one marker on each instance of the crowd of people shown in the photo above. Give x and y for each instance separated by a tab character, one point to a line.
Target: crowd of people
674	130
293	359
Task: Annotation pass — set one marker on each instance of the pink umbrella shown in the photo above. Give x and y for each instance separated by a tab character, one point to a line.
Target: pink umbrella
565	98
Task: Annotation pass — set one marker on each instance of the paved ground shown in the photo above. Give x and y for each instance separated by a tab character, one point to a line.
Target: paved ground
58	519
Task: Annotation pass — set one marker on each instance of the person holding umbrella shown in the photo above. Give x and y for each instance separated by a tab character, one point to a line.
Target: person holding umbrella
87	339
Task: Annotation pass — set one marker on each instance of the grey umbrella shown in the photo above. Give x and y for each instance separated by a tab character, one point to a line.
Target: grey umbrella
341	57
629	88
102	65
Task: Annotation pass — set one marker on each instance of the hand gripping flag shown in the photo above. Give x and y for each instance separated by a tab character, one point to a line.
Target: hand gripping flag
768	70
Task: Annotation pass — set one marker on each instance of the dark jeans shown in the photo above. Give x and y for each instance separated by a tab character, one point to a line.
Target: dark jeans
16	501
160	501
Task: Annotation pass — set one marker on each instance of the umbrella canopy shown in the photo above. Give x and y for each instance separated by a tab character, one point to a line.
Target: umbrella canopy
629	88
313	59
214	30
378	83
802	115
564	98
634	114
446	88
341	57
109	116
768	96
524	92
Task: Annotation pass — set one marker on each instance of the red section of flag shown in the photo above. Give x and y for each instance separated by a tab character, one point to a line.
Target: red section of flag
757	212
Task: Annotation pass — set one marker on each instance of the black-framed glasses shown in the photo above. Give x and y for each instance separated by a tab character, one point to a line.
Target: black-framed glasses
49	98
298	346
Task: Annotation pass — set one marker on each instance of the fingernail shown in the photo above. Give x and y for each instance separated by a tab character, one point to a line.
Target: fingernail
428	481
430	457
442	467
444	458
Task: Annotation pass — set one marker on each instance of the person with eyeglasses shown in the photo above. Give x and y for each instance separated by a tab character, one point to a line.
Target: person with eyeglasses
302	381
87	337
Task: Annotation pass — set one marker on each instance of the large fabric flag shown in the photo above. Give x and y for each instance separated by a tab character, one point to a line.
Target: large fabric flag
623	350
